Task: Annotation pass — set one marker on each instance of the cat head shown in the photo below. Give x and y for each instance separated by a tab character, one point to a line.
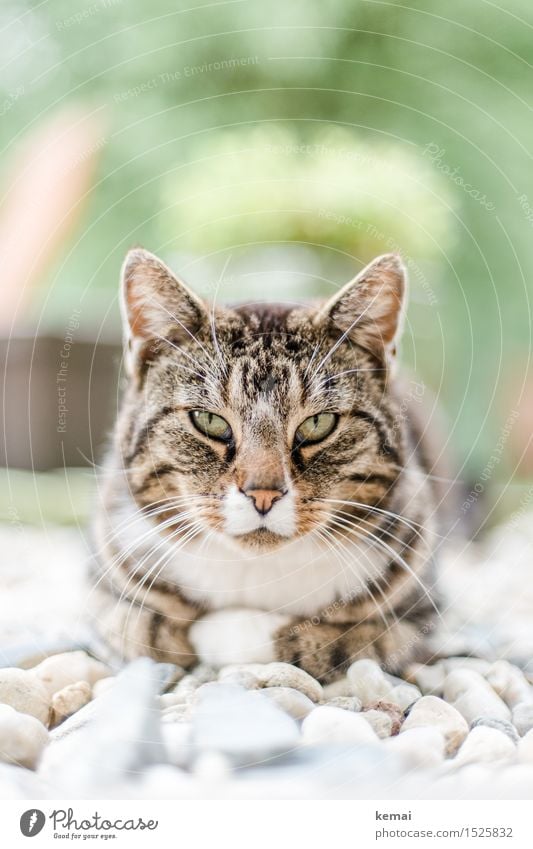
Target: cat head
259	422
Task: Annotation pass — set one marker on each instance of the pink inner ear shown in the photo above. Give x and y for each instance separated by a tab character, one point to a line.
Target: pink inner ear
136	316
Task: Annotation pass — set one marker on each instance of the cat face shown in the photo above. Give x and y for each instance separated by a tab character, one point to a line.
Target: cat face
259	422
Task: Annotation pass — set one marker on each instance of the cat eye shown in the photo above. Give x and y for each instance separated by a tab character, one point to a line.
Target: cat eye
315	428
211	425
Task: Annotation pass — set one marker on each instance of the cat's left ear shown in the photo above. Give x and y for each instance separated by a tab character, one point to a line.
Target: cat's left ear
369	309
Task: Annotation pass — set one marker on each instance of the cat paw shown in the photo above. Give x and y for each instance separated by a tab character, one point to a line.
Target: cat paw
236	636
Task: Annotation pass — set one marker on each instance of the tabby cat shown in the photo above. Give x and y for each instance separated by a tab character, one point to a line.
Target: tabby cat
267	494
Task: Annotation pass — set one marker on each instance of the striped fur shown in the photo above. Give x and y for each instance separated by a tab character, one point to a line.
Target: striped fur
342	564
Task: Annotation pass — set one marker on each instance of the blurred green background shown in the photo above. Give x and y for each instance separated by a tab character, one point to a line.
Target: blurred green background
273	148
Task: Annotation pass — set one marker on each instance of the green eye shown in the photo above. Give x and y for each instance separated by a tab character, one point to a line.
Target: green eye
211	425
315	428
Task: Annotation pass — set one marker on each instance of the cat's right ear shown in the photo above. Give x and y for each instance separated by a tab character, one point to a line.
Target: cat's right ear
155	304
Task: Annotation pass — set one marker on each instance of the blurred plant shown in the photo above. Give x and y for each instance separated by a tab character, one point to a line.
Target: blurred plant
266	185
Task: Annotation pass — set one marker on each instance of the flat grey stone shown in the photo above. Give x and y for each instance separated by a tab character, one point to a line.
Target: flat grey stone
113	736
234	721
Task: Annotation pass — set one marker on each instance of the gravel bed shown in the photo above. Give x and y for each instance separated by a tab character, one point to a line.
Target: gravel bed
458	726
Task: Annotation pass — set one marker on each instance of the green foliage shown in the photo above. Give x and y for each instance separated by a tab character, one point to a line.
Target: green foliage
439	95
265	185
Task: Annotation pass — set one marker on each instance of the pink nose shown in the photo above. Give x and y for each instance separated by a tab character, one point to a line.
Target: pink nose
264	498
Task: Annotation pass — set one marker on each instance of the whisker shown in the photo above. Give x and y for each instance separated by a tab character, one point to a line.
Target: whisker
398	558
367	573
342	515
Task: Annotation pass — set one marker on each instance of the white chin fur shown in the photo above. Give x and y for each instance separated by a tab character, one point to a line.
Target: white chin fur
236	636
241	517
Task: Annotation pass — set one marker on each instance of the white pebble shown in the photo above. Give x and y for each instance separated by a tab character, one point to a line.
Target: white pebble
523	717
286	675
404	695
419	747
60	670
510	683
239	676
24	692
168	700
340	688
69	700
103	685
177	713
381	722
187	686
474	664
473	696
22	737
430	679
432	712
333	725
212	766
485	745
525	747
292	701
275	674
177	737
346	703
368	681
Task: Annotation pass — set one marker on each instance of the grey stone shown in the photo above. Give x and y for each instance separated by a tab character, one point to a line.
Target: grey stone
233	721
501	724
116	735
